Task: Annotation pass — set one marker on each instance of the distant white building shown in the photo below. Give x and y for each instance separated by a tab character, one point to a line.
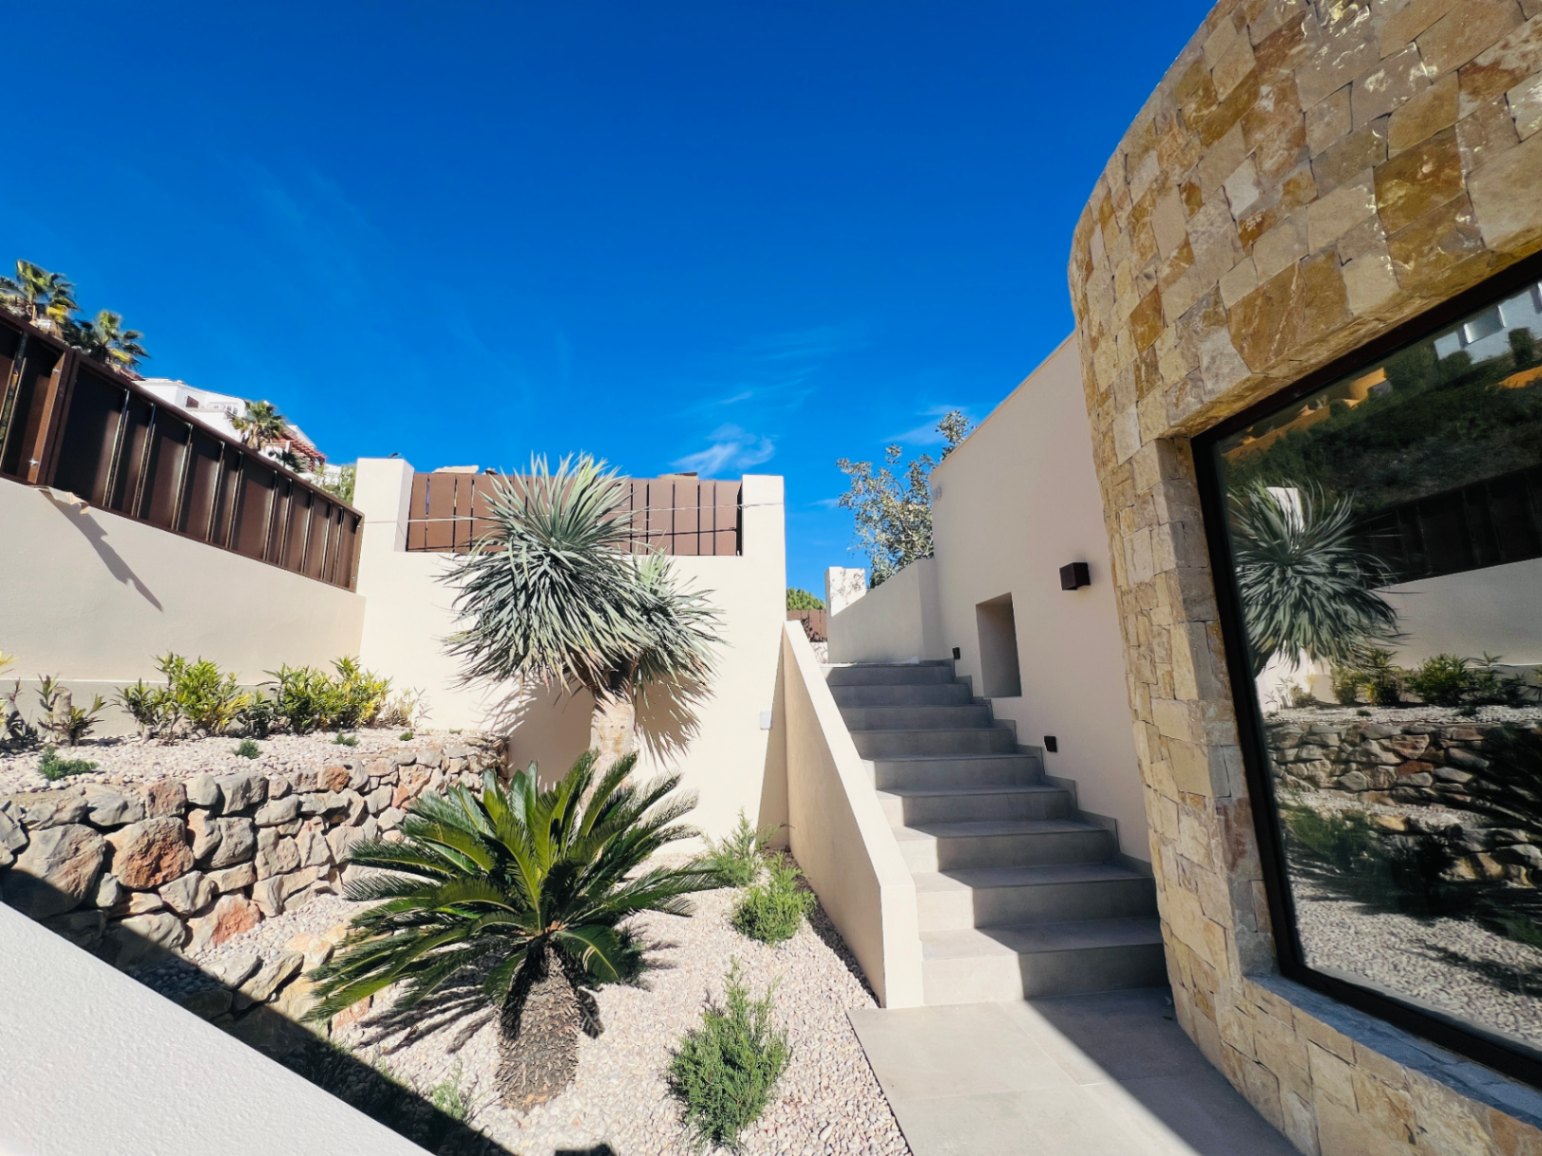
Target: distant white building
217	411
1487	334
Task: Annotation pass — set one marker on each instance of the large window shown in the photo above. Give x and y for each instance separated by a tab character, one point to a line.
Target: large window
1378	541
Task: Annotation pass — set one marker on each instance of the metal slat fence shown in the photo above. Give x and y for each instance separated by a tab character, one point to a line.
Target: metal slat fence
682	516
72	424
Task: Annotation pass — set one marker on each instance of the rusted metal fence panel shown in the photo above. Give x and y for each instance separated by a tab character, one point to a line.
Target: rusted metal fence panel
816	623
682	516
74	425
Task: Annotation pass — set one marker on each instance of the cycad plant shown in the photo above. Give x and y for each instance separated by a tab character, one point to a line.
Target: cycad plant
1306	586
550	596
525	890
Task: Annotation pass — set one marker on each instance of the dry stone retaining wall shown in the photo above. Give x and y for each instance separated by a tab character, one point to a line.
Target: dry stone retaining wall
135	870
1308	174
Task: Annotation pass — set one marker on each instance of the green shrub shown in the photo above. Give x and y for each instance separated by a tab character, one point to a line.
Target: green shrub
361	694
1345	852
725	1070
306	699
208	699
1346	684
53	768
449	1097
146	705
772	911
405	736
1443	680
738	858
61	719
1382	680
247	749
345	740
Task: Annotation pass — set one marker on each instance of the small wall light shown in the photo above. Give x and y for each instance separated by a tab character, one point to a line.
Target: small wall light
957	653
1051	743
1074	576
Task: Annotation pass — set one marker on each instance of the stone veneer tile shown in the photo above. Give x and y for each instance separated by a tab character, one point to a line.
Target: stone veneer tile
1424	115
1525	101
1329	120
1391	84
1501	67
1355	152
1505	196
1466	31
1418	180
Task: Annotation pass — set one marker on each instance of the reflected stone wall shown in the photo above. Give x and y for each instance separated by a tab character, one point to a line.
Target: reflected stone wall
1306	176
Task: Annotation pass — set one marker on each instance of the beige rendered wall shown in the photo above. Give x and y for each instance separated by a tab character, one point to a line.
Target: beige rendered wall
838	832
93	597
893	622
1010	506
722	756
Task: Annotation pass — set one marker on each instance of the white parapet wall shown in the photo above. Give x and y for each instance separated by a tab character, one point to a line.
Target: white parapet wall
721	754
99	1063
896	621
837	830
92	597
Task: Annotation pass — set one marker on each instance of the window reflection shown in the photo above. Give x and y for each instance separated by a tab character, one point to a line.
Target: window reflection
1386	533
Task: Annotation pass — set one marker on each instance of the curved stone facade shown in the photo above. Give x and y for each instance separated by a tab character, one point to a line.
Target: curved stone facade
1308	175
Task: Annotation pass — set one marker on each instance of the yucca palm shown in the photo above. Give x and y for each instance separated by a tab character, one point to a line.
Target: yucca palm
260	424
1306	585
523	890
38	294
105	338
550	596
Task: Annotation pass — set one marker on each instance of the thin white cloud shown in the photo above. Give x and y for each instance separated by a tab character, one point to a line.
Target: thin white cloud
926	434
732	450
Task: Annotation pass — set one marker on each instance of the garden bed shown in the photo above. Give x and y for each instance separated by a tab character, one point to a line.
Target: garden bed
134	760
827	1101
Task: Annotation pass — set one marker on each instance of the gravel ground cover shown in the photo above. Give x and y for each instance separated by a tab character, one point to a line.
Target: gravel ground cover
1401	715
1450	964
132	760
827	1102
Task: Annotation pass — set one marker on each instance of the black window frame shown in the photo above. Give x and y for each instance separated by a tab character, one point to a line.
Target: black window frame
1446	1031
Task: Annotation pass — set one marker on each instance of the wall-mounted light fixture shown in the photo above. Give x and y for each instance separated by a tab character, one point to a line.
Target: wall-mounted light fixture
957	653
1051	743
1074	576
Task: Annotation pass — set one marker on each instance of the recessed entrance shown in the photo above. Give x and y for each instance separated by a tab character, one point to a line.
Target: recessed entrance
999	674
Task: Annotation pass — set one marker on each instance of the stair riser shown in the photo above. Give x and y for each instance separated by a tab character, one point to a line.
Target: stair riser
1035	903
950	808
1026	850
888	675
924	694
984	741
1041	974
860	718
938	773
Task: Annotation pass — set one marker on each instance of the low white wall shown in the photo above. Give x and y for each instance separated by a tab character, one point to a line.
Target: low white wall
99	1063
839	834
722	757
94	597
1497	610
893	622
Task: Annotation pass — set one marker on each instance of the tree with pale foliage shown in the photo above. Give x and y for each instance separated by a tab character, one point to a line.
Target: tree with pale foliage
799	599
892	503
549	596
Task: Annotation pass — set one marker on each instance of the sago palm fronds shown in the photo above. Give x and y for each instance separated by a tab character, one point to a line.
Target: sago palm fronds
1306	586
527	890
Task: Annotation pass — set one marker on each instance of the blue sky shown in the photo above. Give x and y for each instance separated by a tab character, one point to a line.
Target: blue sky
736	236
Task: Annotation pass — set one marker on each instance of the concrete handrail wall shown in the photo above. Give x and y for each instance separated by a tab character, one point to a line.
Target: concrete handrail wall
896	621
839	835
150	1077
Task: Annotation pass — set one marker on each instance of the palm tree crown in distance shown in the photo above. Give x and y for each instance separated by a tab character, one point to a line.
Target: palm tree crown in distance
517	897
1306	586
260	425
105	339
550	596
38	294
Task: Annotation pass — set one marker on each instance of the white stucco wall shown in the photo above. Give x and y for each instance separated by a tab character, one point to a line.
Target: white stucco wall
723	758
1497	610
93	597
1015	502
98	1063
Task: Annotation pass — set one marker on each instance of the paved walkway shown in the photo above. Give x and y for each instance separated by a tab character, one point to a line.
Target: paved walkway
1094	1075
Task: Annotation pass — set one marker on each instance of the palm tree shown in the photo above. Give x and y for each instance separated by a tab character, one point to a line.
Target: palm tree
1306	586
548	596
260	425
522	892
105	339
37	294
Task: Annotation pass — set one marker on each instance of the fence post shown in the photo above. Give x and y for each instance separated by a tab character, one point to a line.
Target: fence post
43	459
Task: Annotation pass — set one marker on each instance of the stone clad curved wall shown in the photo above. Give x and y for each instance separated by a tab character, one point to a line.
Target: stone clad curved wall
1307	175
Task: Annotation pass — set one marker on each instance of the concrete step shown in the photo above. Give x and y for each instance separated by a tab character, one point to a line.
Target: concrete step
889	674
896	773
1002	843
1051	892
1030	961
883	718
913	806
903	694
880	744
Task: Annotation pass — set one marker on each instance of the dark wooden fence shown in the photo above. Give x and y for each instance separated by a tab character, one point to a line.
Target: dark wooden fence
73	424
816	623
681	516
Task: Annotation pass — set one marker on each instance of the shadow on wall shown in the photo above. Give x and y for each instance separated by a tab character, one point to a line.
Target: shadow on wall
77	514
303	1051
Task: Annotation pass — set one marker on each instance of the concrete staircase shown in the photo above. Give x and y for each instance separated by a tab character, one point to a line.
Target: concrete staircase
1017	897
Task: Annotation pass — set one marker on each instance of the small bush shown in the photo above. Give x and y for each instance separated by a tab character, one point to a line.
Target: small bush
772	911
1382	680
343	740
306	699
449	1097
247	749
61	719
739	857
1444	680
405	736
724	1071
53	768
200	693
1346	685
407	709
361	694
